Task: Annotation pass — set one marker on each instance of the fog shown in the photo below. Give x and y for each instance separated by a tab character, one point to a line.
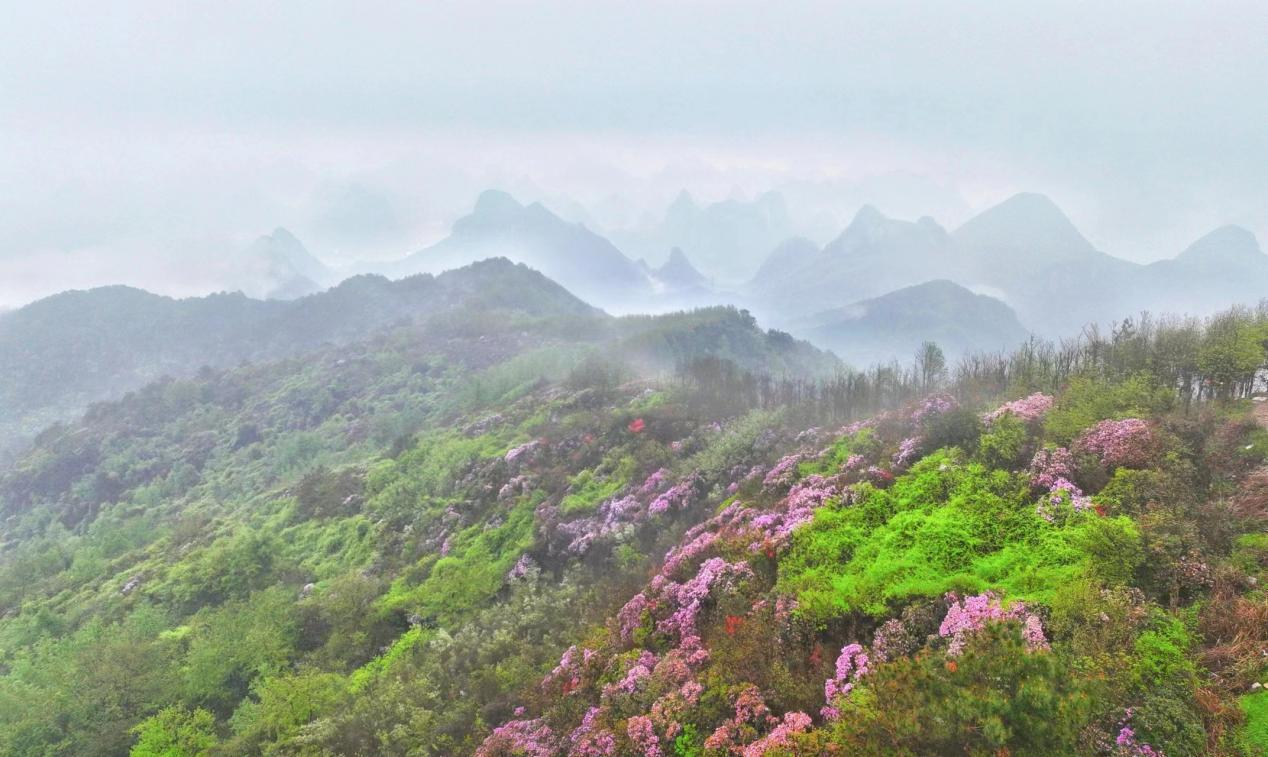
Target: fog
148	143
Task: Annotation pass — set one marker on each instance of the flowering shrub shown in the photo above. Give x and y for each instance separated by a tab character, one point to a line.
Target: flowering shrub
780	736
1128	443
525	567
933	406
643	733
520	453
678	496
966	617
638	672
852	664
908	451
568	673
689	597
892	640
783	472
591	740
1027	409
532	738
1050	465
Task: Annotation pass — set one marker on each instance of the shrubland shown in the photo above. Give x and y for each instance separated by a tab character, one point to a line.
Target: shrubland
531	535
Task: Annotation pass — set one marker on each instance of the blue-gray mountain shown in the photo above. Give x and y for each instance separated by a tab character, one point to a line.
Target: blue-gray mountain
1025	252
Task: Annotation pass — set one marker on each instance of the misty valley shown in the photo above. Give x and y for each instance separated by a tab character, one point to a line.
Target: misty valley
632	378
453	507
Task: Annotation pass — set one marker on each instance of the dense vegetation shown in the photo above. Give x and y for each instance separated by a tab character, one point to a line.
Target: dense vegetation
539	531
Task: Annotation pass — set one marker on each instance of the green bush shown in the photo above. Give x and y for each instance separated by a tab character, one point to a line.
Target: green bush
176	732
995	698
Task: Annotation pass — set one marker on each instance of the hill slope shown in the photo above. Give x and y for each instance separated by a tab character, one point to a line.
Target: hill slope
62	353
893	326
486	534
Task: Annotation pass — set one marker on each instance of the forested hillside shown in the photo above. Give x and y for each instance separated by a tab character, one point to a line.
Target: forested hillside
542	532
64	352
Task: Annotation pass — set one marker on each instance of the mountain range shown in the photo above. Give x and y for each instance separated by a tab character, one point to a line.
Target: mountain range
1025	252
728	240
62	353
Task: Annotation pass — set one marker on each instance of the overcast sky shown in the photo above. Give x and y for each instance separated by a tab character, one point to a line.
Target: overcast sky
139	141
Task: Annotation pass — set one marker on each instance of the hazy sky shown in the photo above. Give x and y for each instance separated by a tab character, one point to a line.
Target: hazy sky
145	141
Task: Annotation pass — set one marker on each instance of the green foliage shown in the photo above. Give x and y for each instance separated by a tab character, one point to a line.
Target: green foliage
1007	445
1252	738
1087	400
176	732
230	646
995	698
589	491
1161	655
1231	352
943	526
472	572
689	743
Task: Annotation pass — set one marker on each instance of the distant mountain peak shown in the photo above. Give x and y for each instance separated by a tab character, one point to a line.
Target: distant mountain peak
496	202
1225	244
679	273
683	200
1026	226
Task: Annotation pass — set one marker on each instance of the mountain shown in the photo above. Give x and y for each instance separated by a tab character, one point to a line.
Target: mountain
893	326
500	533
291	271
60	354
1224	266
1018	237
499	226
678	274
873	255
794	254
727	240
1024	251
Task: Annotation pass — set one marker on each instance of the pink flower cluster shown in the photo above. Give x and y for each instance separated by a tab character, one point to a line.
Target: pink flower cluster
689	597
679	495
638	672
643	733
1028	409
619	518
852	664
515	453
750	709
893	640
591	740
524	567
966	617
1127	443
1050	471
1127	743
1063	492
630	617
532	738
780	737
654	483
1050	465
908	451
877	476
784	471
570	670
774	528
933	406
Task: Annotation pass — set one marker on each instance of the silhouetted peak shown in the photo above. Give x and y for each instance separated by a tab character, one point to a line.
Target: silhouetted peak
495	202
1227	243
